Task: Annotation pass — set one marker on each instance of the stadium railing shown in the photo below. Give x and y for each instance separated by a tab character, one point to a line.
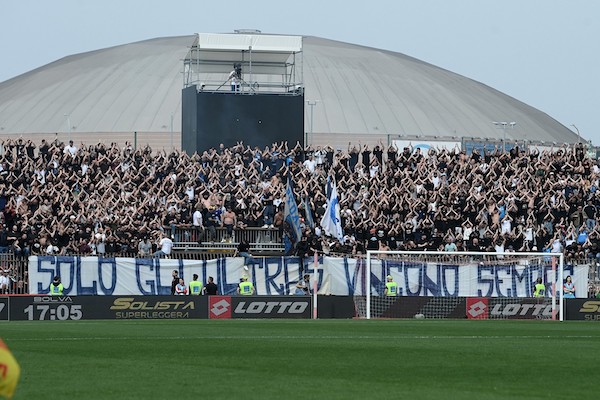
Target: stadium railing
262	240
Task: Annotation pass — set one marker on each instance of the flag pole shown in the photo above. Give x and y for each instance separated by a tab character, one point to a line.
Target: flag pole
316	259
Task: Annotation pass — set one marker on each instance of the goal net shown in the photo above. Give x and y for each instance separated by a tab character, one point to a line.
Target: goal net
475	285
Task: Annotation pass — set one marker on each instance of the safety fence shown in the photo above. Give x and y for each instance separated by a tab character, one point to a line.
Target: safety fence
261	240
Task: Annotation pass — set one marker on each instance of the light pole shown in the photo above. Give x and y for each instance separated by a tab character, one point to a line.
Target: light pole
312	104
578	135
171	131
68	125
504	125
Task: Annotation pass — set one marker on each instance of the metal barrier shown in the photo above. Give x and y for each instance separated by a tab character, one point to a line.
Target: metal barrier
261	240
13	269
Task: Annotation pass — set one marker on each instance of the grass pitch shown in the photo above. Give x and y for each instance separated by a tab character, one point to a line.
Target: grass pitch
326	359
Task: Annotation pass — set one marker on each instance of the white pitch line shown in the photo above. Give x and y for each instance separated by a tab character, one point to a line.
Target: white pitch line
271	337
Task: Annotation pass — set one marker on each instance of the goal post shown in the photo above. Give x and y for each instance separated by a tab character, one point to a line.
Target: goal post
493	284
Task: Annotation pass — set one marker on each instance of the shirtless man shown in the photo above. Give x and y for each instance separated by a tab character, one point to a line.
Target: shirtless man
229	221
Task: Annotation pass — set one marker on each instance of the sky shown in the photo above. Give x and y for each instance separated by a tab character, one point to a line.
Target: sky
545	53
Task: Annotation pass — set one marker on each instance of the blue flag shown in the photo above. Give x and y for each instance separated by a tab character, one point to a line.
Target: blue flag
292	231
309	217
328	188
332	222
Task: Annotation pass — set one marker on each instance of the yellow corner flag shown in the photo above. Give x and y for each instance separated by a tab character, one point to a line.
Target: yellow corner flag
9	372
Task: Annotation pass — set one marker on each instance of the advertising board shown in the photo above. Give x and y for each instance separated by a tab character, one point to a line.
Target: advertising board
3	308
508	308
583	309
259	307
62	308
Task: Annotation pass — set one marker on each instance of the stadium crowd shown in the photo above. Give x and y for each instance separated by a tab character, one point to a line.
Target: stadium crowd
61	198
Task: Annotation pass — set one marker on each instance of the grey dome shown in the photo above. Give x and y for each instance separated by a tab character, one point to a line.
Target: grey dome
359	91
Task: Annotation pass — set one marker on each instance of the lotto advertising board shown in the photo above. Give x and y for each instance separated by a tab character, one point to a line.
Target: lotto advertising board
508	308
225	307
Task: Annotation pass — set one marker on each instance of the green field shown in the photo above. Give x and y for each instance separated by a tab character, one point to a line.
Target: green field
326	359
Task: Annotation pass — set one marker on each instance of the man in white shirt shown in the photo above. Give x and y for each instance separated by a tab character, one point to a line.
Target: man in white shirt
166	244
506	225
310	164
4	282
556	246
198	224
235	77
70	149
499	247
320	155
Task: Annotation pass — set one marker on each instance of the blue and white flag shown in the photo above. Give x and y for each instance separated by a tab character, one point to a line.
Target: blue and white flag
332	222
292	231
309	217
328	188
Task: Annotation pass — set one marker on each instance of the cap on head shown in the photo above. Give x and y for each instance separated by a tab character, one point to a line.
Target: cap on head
389	278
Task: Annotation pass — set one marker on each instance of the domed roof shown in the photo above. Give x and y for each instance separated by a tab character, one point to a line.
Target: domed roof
133	87
358	90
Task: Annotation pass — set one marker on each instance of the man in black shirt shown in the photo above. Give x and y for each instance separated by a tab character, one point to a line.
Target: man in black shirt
175	281
243	250
475	245
4	244
211	288
302	249
373	241
589	212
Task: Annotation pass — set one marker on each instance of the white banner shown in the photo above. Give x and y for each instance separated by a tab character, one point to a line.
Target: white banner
279	276
425	146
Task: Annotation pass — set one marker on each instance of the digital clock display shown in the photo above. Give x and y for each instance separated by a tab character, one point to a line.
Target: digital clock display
53	311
